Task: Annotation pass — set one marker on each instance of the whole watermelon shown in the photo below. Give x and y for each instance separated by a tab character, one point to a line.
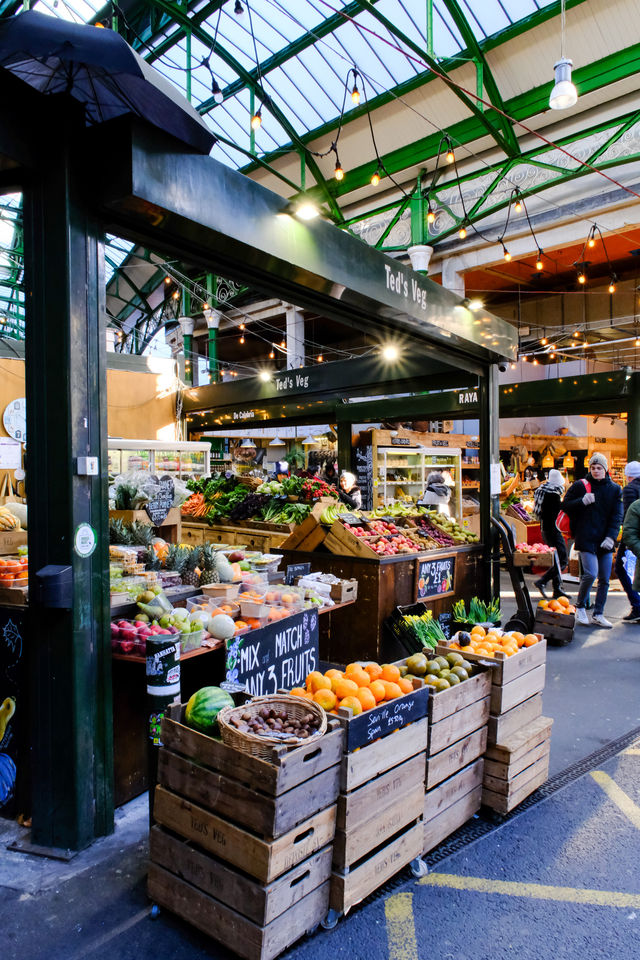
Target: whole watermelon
7	777
203	708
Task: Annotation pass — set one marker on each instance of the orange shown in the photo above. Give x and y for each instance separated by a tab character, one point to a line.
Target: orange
377	689
564	601
484	651
374	670
334	674
389	672
361	677
405	685
366	698
314	675
467	649
530	639
353	703
350	667
326	698
478	631
543	604
454	646
301	692
555	606
391	690
345	688
317	681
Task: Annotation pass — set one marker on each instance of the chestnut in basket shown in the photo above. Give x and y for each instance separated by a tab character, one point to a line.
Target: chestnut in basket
270	722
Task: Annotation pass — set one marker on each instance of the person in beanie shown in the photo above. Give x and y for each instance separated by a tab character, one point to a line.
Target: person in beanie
630	493
594	507
547	503
436	493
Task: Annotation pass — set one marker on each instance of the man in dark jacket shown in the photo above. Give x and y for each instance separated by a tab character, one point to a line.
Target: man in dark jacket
595	512
631	536
630	493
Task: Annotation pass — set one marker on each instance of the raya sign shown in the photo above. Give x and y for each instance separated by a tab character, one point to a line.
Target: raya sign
276	657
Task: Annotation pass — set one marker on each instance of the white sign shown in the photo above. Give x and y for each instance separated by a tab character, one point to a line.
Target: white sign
408	288
10	454
495	480
85	540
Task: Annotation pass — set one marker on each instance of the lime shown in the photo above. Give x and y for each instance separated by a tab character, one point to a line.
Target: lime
441	684
454	658
443	663
460	673
433	666
452	679
417	664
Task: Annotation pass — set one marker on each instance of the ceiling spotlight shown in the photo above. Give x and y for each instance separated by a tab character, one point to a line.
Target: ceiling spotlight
564	93
306	210
375	179
265	376
539	260
256	119
431	217
218	95
506	254
355	94
462	232
238	9
475	304
338	172
320	358
390	353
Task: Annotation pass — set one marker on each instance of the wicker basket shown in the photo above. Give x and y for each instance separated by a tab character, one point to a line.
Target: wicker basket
262	747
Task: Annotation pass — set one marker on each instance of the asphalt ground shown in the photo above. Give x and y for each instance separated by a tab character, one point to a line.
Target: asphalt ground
557	881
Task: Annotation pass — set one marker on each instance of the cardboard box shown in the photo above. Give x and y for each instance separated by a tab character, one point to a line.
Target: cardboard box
10	540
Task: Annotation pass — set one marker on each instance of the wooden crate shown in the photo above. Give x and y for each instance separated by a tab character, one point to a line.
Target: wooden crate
376	811
502	726
260	903
513	792
449	805
522	559
345	590
456	712
261	858
447	762
341	541
508	695
556	628
518	766
358	881
364	765
514	678
229	927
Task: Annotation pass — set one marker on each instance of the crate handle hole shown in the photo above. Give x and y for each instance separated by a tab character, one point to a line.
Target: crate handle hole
304	836
303	876
312	755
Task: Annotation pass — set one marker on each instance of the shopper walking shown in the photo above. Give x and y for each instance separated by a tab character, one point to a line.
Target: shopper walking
631	538
594	506
630	493
547	500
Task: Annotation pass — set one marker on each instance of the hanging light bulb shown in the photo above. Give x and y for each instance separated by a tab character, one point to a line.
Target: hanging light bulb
242	326
271	355
218	95
450	156
544	341
355	94
431	217
462	232
582	277
283	344
539	263
612	283
535	362
375	179
167	279
320	358
576	333
506	254
338	172
518	205
241	339
175	295
256	119
591	242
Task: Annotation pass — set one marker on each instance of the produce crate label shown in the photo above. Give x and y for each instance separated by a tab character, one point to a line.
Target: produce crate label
277	656
158	507
435	578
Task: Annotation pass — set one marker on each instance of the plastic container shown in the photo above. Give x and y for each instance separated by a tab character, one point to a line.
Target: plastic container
191	641
253	608
254	580
279	611
267	563
201	602
221	591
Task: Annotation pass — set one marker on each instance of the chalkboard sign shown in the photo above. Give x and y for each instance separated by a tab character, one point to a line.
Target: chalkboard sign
13	716
296	570
159	505
385	718
446	621
351	519
278	656
434	578
364	473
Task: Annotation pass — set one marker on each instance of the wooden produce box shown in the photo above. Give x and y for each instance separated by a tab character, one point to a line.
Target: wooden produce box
517	767
379	821
514	678
522	559
501	727
10	540
344	591
556	628
341	541
449	805
309	534
14	596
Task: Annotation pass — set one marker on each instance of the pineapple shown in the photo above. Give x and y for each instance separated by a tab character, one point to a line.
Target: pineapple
175	559
190	576
119	533
209	573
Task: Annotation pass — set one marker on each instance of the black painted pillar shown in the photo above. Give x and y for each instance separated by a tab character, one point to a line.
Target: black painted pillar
66	389
489	456
633	419
345	454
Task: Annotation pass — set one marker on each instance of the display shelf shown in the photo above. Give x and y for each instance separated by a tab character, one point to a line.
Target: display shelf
417	462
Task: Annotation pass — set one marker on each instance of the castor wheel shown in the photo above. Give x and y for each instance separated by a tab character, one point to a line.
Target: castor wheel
155	911
516	624
418	867
331	920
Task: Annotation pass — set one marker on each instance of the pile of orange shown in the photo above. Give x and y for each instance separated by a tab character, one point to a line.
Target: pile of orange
359	686
558	605
13	570
487	643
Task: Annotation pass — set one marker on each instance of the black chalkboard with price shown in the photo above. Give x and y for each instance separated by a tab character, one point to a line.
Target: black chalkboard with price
435	577
275	657
159	505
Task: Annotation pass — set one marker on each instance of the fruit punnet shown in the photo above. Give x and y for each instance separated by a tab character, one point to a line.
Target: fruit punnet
203	708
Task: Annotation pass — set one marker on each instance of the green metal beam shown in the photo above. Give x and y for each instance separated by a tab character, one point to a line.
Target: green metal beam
488	79
180	17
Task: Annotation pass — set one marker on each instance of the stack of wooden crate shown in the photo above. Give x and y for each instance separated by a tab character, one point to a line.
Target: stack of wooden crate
458	720
381	802
242	847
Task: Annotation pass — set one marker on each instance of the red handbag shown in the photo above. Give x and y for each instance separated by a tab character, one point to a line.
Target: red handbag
563	524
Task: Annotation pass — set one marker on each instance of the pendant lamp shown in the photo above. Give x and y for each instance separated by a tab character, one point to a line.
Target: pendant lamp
308	441
564	93
586	460
247	442
547	461
277	442
568	461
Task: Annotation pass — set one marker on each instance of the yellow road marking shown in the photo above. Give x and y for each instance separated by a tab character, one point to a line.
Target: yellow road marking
535	891
632	752
630	809
401	932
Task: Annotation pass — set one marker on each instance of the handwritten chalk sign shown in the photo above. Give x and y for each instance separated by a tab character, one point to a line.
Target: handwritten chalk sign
162	501
296	570
384	719
276	657
435	578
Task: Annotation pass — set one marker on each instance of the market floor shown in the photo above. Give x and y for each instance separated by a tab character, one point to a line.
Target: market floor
557	880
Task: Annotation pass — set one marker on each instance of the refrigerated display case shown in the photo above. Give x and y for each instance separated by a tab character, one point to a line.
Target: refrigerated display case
179	458
403	472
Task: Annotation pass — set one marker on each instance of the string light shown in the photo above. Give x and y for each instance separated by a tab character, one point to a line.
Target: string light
242	326
283	344
338	172
518	205
450	155
544	341
612	284
175	295
506	254
218	95
582	277
256	119
241	339
167	279
320	358
355	94
462	232
238	9
539	260
431	217
375	179
271	355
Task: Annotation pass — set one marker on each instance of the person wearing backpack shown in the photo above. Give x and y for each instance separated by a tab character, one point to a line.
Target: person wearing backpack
546	507
630	493
594	507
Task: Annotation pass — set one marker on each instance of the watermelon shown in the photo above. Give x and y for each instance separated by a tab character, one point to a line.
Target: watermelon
203	708
7	777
